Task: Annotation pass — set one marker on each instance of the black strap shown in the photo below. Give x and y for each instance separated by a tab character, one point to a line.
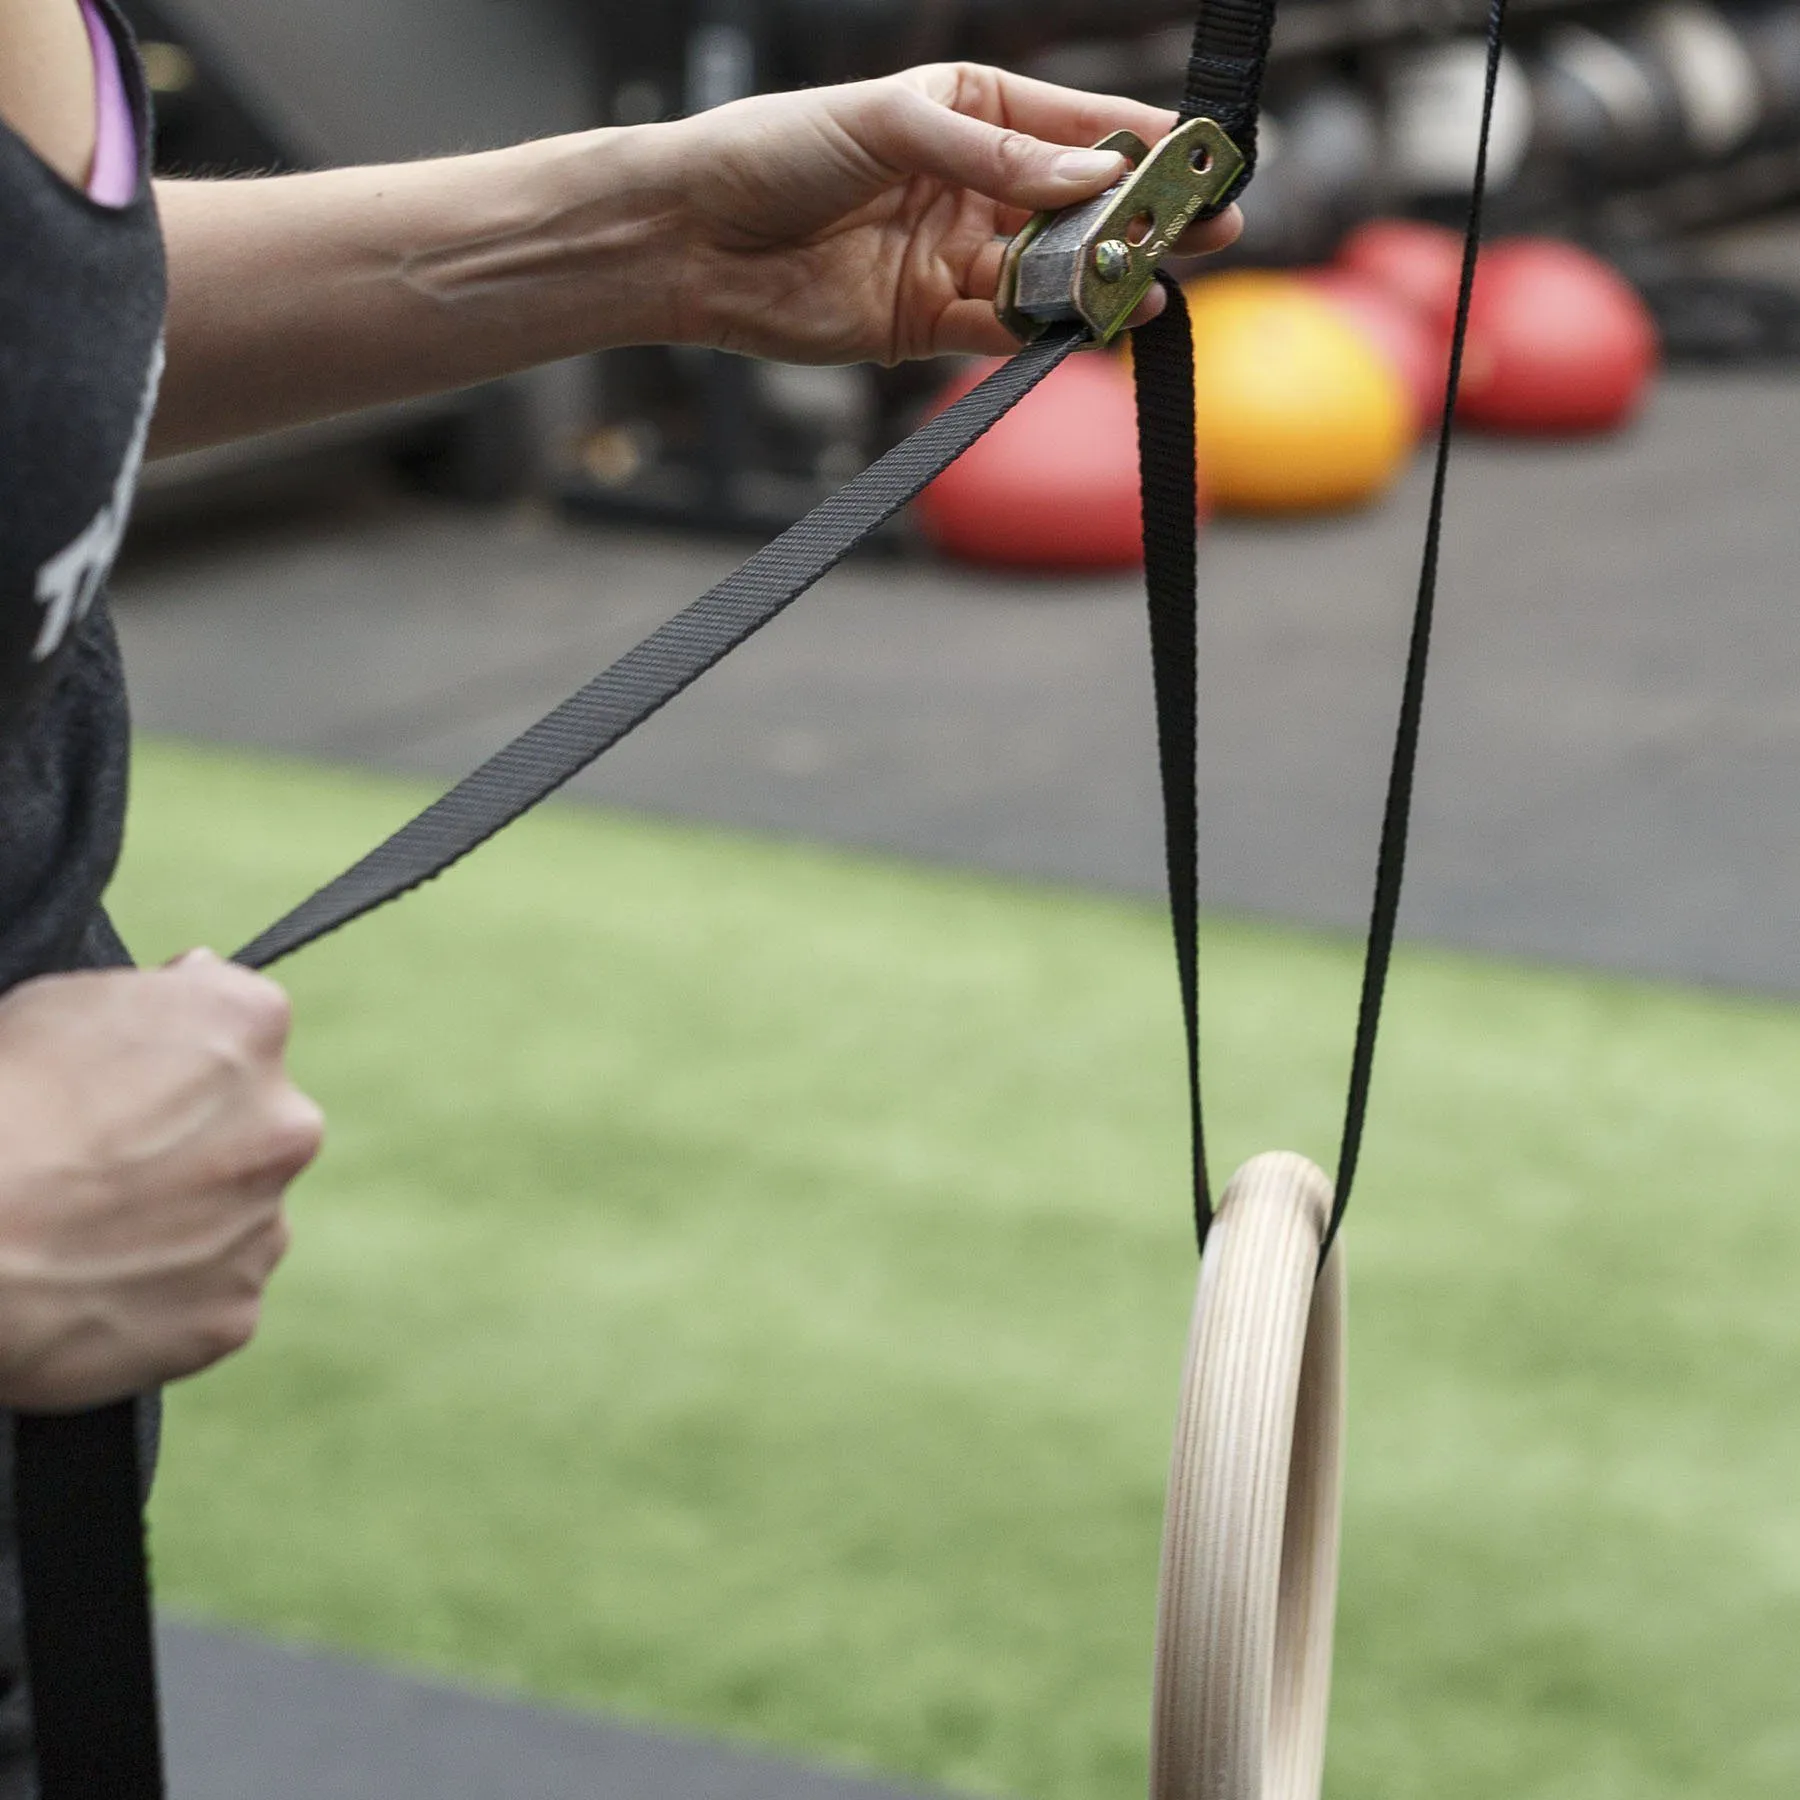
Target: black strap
86	1594
1225	74
562	743
1162	362
1390	864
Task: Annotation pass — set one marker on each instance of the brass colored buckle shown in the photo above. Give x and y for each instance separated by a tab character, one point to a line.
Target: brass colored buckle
1096	261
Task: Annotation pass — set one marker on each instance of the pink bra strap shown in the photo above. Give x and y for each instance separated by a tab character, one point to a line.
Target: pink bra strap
114	181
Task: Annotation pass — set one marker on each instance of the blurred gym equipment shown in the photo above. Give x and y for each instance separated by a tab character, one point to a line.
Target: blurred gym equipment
1414	347
1558	344
1298	410
1641	128
257	84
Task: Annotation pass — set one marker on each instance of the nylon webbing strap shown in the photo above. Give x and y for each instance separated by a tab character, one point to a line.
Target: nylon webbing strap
85	1588
1225	74
562	743
1390	864
1162	363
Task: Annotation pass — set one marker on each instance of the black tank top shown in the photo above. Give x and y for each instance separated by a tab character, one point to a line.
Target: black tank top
81	317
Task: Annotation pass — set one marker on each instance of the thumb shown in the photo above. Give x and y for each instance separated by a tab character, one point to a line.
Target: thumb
919	136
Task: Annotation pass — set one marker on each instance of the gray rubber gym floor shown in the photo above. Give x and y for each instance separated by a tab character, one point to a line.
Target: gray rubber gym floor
1611	776
1613	731
249	1721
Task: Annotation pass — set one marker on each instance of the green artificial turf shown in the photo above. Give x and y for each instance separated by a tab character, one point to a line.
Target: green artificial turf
746	1285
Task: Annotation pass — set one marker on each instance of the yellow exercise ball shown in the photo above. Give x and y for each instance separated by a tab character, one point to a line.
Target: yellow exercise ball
1296	410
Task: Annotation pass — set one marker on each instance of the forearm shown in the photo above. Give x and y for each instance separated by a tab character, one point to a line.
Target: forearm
296	297
835	225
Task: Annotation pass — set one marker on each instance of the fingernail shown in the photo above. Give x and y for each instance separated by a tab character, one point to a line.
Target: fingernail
1088	165
198	955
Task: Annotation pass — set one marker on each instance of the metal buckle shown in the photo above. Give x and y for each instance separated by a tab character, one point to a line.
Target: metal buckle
1096	261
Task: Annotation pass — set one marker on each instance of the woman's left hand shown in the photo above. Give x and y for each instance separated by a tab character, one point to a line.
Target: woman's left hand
866	222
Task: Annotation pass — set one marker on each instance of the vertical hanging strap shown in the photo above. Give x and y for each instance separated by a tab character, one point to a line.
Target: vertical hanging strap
1162	364
1224	84
1390	864
85	1586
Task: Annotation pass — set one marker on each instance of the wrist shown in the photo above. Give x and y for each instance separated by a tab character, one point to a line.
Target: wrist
50	1323
688	197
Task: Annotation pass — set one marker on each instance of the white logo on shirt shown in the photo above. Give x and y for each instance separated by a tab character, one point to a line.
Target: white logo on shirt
68	583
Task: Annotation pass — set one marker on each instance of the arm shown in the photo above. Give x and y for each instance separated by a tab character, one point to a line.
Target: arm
836	225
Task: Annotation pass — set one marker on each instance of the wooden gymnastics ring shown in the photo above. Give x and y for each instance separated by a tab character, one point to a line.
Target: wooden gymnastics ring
1250	1537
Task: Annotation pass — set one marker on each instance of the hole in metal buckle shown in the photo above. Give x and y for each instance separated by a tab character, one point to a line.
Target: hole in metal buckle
1201	161
1138	229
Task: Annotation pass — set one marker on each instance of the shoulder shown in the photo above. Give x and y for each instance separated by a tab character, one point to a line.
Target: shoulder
47	82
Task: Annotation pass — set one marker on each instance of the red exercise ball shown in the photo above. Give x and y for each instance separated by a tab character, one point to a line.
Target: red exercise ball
1421	264
1418	354
1054	485
1559	343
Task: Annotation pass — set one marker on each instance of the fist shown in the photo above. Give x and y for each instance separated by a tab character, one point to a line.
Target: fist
148	1135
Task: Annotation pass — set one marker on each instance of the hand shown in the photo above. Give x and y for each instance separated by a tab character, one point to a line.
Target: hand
866	222
147	1135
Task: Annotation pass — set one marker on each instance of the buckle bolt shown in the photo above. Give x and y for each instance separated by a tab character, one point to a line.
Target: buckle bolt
1112	259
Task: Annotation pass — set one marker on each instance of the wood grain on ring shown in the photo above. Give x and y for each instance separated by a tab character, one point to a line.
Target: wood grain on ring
1250	1537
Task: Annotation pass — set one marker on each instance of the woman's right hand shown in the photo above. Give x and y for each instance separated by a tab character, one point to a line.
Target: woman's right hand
148	1134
